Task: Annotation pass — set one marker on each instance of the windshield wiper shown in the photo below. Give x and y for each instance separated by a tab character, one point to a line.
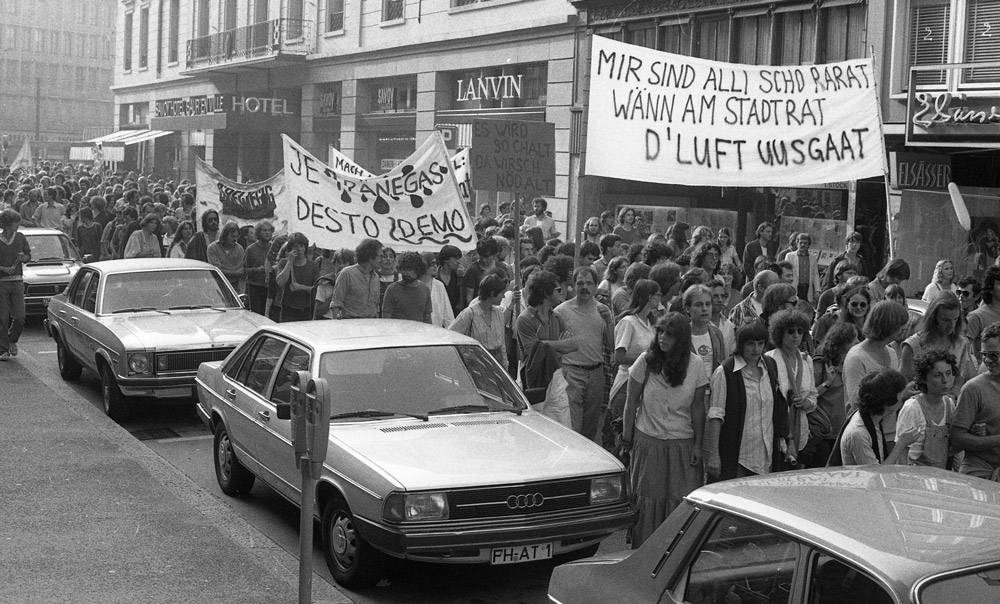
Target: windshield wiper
372	413
196	307
460	408
139	309
34	261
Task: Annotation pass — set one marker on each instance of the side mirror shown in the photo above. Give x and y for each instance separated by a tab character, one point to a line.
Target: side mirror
245	301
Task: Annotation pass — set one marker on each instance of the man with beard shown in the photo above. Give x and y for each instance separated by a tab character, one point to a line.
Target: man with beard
541	220
198	246
592	325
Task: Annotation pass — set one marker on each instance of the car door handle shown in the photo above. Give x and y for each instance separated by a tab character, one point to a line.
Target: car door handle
75	319
264	416
62	312
231	392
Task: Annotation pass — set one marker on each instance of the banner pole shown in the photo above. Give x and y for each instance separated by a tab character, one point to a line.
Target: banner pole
885	163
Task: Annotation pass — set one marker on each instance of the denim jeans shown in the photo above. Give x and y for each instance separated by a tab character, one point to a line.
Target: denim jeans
11	313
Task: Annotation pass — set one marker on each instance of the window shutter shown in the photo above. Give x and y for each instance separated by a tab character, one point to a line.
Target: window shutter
929	40
983	45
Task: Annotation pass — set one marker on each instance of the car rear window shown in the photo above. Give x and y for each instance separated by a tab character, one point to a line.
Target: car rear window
417	379
166	290
980	585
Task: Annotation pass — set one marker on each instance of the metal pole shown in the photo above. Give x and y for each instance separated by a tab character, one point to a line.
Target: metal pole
38	109
306	531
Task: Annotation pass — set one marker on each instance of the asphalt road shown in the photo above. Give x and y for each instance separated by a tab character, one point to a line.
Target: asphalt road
176	434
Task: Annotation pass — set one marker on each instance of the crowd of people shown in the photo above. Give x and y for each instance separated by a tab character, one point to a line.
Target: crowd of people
702	363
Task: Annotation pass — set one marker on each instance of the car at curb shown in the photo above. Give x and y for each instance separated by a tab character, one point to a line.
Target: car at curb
54	263
853	534
144	325
434	453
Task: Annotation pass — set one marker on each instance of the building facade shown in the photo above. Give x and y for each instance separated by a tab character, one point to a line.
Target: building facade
370	78
57	70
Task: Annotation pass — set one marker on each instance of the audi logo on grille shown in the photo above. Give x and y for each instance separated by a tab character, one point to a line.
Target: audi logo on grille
528	500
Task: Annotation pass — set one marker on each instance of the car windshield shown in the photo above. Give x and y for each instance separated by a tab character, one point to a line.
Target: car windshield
166	290
418	380
981	585
52	248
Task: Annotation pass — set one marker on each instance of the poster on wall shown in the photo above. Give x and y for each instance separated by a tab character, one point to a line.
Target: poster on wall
417	206
660	117
827	235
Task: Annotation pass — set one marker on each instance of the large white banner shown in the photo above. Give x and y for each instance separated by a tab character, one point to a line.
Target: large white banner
661	117
242	203
415	206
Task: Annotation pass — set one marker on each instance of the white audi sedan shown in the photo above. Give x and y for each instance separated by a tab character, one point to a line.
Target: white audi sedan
434	453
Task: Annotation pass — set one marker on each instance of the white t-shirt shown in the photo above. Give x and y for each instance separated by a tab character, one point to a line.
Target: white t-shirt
702	346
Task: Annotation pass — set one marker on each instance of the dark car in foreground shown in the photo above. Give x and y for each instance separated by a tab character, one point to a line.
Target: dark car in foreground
851	535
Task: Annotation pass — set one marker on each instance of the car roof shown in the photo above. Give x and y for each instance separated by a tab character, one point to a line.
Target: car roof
359	334
917	305
901	523
40	231
133	265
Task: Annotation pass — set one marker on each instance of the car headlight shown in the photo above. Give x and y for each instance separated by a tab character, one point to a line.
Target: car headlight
607	489
403	507
138	363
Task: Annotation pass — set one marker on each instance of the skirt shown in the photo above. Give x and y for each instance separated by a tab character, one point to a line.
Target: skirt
662	475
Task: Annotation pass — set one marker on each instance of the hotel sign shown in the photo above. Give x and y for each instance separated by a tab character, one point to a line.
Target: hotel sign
222	104
952	118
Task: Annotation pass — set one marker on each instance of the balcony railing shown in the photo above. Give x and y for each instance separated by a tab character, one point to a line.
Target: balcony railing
252	42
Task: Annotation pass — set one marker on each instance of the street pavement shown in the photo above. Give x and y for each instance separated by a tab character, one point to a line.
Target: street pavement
91	515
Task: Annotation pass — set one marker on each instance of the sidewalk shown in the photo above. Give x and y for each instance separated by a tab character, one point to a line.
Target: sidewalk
90	515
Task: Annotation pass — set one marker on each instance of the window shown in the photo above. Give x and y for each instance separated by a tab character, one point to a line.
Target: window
201	15
392	10
713	40
173	34
229	15
833	582
796	37
256	371
641	35
753	40
144	37
929	37
334	15
844	32
675	37
127	54
79	293
295	360
982	40
294	19
740	561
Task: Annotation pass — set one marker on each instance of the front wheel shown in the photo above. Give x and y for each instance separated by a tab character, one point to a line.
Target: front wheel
352	561
233	477
115	405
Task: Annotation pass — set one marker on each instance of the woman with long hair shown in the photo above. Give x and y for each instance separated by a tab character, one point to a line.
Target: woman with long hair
664	421
728	274
295	277
942	328
178	247
826	420
700	234
592	230
614	279
853	305
626	228
633	331
226	254
621	297
943	280
727	249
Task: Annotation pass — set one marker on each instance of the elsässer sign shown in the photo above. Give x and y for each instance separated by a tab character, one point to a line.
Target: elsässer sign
513	155
666	118
416	206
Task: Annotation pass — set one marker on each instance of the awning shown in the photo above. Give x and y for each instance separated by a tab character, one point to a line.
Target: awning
113	145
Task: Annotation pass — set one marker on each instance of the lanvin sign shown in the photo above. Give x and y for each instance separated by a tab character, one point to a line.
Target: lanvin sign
497	87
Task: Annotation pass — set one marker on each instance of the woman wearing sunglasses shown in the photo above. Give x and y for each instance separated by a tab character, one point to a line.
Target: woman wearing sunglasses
787	329
942	328
852	308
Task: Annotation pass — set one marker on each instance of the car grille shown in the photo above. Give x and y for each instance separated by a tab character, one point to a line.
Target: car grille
519	500
44	289
188	360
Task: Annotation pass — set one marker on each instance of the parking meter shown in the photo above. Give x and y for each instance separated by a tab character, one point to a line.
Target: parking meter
317	423
300	383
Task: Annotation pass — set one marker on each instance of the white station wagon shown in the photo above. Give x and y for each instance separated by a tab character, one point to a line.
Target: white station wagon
434	453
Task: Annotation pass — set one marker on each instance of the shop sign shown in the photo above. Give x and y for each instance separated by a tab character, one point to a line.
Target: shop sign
329	103
223	103
948	118
492	87
385	98
495	87
925	171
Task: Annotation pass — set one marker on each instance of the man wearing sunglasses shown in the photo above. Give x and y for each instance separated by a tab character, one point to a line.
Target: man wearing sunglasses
976	426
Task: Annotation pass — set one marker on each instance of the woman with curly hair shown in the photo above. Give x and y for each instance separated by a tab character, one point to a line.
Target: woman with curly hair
664	422
787	329
930	413
942	328
700	234
943	280
706	256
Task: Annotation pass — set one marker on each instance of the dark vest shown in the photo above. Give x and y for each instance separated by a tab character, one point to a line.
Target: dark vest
731	434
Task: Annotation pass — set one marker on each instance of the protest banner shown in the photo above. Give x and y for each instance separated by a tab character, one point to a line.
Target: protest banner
416	206
459	161
242	203
666	118
514	155
24	159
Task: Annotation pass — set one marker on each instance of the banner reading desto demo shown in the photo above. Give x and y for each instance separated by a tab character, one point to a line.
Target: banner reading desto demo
666	118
